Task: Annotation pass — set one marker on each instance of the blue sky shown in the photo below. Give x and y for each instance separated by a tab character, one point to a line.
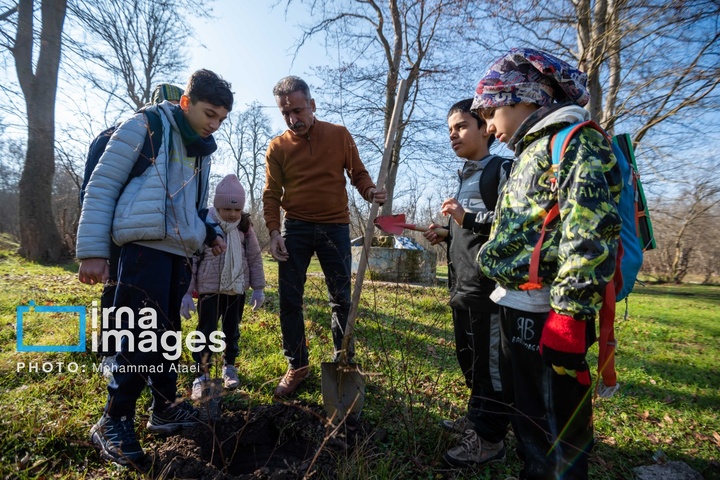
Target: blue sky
251	46
247	43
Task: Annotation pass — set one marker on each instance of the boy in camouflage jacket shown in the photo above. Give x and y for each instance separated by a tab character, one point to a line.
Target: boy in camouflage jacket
526	97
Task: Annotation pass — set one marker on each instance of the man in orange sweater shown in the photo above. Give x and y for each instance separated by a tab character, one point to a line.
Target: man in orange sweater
305	176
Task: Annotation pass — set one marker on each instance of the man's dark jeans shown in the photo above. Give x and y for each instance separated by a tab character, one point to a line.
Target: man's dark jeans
331	243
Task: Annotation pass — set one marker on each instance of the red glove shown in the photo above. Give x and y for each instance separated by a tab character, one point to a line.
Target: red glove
563	345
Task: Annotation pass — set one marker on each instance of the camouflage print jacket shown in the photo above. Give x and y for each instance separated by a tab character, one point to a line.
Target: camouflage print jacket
578	255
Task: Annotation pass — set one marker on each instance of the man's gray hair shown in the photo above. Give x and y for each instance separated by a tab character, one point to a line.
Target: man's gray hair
291	84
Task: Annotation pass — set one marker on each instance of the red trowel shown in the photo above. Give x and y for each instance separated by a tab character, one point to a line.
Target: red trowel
395	224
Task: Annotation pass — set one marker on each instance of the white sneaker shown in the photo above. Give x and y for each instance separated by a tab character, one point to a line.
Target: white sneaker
230	376
475	451
198	386
461	425
108	367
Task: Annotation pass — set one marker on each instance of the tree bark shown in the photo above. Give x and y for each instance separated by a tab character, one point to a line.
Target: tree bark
39	237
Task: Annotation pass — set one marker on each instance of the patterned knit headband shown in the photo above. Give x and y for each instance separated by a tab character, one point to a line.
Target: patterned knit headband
528	75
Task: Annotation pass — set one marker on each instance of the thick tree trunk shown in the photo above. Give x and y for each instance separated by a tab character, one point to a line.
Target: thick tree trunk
39	237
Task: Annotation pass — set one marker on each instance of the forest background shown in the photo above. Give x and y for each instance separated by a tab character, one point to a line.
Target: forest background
73	67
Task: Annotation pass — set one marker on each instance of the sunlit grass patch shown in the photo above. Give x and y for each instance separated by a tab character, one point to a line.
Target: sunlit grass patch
666	361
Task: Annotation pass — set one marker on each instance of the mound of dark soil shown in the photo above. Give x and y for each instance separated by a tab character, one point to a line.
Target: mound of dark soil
281	441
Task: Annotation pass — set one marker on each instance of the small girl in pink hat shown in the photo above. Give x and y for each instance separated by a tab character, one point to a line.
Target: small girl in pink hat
221	281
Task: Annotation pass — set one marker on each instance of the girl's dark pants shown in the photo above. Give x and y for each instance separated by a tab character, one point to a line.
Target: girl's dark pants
210	308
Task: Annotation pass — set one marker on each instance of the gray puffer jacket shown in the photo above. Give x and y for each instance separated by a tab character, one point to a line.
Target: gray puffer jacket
159	208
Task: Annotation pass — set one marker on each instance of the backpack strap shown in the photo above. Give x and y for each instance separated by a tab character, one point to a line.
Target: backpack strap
534	281
151	147
245	224
97	147
490	179
606	341
561	138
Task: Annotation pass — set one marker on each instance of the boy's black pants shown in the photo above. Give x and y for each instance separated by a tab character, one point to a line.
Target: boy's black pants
477	345
148	279
551	414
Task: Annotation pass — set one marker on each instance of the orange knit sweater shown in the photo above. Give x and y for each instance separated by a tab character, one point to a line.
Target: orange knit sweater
305	176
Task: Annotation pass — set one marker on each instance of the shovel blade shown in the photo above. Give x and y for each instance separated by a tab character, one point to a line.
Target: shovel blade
343	389
393	224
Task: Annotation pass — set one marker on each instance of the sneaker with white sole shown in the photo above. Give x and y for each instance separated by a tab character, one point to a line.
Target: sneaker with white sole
173	418
230	376
474	451
198	385
291	380
116	439
461	425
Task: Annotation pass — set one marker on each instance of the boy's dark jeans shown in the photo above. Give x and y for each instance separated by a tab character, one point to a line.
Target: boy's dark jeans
210	308
108	295
551	413
477	345
331	243
148	278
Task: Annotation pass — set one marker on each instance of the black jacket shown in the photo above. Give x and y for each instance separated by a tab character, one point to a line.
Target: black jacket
480	182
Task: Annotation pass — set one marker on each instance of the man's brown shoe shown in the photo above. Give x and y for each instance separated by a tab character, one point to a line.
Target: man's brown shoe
291	380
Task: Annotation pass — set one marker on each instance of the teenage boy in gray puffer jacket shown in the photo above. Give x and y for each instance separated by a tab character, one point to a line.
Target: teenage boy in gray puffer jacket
155	218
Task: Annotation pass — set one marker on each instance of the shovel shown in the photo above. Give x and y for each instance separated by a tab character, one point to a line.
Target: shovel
395	224
343	385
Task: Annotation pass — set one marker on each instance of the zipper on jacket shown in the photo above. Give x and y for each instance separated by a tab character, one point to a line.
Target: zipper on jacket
197	183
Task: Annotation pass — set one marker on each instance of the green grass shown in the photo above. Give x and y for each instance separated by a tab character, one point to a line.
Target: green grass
667	362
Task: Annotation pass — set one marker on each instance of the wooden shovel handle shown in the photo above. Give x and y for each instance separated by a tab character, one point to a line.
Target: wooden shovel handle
370	229
441	232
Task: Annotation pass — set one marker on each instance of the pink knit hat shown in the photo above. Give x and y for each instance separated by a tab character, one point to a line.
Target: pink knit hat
229	193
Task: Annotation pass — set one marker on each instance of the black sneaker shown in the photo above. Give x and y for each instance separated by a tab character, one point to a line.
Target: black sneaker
172	418
116	439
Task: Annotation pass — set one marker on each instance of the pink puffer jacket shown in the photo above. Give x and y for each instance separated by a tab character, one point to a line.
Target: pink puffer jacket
207	268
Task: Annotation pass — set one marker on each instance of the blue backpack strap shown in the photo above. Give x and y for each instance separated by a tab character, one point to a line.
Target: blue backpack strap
560	141
558	144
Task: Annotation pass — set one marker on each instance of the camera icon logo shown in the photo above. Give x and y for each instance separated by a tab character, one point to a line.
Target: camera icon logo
23	310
